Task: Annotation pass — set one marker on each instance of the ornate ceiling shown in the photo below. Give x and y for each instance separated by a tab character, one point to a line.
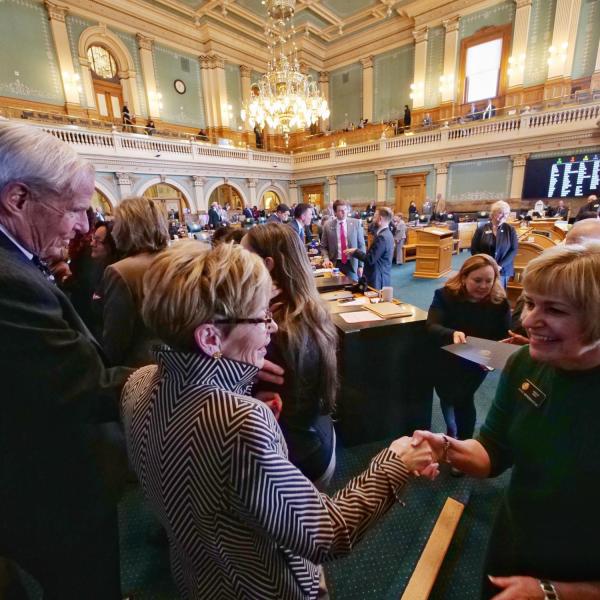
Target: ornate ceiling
325	21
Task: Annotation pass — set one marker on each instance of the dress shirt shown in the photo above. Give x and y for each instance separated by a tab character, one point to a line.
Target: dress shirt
28	254
339	224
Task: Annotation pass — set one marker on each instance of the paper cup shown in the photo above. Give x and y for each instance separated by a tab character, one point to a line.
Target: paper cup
387	293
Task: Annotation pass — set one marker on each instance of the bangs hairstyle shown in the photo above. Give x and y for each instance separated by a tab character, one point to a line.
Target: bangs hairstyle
140	225
39	160
190	284
302	314
456	284
570	272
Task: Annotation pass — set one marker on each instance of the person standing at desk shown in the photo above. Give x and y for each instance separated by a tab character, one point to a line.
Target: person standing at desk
338	235
378	258
498	239
302	219
281	214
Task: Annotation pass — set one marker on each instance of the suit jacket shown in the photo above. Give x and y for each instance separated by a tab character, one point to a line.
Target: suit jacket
127	341
378	260
56	391
299	229
355	239
214	218
502	248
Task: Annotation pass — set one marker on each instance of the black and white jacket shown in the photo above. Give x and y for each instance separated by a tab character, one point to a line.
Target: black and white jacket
242	521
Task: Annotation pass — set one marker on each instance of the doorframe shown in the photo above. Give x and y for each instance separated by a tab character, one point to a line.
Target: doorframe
313	188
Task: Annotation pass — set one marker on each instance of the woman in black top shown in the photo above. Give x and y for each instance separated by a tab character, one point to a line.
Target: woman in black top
498	239
471	303
305	345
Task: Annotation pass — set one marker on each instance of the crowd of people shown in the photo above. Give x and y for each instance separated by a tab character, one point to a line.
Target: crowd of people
211	371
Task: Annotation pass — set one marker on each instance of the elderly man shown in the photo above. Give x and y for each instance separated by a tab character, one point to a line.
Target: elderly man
58	518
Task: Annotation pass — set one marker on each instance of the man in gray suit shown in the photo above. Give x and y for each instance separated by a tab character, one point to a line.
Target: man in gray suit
339	234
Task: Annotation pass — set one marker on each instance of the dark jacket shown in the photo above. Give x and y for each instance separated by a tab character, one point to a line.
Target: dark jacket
502	248
378	260
214	218
56	391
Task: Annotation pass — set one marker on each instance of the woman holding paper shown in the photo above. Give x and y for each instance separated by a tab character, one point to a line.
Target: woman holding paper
544	425
473	302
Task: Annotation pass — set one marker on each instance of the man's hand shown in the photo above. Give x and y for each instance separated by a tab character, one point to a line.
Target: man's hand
271	373
435	441
327	264
516	339
272	400
349	251
517	588
458	337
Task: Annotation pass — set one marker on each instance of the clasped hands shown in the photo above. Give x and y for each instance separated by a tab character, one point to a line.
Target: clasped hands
418	456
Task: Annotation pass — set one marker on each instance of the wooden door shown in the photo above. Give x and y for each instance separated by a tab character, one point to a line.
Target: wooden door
109	99
409	188
313	194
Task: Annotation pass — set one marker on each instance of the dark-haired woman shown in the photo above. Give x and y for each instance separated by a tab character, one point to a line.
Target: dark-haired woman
473	302
305	346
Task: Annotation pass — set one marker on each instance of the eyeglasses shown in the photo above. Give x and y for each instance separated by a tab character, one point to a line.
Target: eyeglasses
267	320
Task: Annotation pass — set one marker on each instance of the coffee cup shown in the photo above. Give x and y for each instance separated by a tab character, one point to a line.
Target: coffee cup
387	293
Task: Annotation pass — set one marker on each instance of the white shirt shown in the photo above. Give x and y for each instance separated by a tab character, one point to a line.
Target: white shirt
28	254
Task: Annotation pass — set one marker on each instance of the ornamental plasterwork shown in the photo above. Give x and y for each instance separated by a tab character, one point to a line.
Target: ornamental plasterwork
421	34
123	178
245	71
523	3
55	12
367	62
452	24
323	77
144	42
520	160
199	181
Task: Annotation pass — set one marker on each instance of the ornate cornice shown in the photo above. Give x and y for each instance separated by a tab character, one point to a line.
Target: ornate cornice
217	62
421	34
452	24
144	42
519	160
367	62
381	174
204	61
332	180
245	71
56	12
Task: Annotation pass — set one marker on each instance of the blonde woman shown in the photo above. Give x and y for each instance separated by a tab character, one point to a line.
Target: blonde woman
471	303
140	231
242	521
543	424
305	346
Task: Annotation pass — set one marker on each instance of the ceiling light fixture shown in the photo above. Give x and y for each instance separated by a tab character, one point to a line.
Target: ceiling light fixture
284	98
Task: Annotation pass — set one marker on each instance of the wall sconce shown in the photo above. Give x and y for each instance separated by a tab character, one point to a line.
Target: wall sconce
417	88
558	55
446	83
517	64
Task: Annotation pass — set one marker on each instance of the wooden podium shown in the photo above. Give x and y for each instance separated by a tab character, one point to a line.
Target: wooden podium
434	252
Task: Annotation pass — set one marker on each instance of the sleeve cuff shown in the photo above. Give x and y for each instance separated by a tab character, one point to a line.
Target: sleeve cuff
393	467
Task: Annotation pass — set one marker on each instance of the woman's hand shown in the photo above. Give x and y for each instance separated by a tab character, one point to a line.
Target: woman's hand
271	373
418	459
435	441
349	251
516	339
458	337
272	400
517	588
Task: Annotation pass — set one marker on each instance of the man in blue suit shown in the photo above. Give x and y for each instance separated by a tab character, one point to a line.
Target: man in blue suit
378	259
338	235
302	219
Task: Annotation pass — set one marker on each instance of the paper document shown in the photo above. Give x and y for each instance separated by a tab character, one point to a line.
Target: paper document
484	352
390	310
360	316
336	295
354	302
319	271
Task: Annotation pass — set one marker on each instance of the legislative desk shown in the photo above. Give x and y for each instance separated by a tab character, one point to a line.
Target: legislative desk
385	381
326	283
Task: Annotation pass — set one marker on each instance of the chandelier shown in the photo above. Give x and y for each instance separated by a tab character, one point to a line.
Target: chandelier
284	98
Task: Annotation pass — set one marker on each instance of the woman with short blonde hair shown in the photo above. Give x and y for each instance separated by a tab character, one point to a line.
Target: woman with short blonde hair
140	231
241	520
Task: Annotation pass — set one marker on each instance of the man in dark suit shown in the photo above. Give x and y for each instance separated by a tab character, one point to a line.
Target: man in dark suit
590	210
378	258
338	235
58	518
281	214
247	212
302	219
214	216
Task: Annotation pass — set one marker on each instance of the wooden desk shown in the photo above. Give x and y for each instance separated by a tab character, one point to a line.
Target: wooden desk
386	388
434	252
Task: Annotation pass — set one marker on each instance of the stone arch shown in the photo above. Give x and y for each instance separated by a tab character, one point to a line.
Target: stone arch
271	187
107	192
101	36
235	186
142	186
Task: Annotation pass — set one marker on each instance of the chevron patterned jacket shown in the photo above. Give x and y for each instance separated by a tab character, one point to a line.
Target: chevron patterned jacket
242	521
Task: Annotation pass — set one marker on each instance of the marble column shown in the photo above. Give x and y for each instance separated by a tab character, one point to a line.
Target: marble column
245	74
294	192
367	81
516	69
381	186
252	187
518	175
441	181
221	104
324	89
448	79
418	85
199	198
70	78
124	185
147	61
207	89
562	50
332	180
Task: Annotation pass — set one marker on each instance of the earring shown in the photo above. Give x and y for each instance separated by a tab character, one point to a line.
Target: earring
217	355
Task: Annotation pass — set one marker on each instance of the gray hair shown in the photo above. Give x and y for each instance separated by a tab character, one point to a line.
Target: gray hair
500	205
33	157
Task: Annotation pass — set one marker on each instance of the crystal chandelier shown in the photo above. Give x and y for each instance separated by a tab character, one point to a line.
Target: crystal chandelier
285	99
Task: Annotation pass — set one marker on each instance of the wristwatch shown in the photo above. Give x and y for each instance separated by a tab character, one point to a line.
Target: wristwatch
549	590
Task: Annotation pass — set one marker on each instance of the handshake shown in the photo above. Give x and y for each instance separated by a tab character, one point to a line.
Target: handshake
421	453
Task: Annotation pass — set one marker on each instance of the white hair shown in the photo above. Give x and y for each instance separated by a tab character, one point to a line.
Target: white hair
500	205
31	156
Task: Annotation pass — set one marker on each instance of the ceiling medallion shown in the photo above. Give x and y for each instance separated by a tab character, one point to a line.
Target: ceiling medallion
284	99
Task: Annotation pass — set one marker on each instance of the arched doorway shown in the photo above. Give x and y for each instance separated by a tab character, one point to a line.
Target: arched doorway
170	198
100	203
227	194
107	86
270	200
